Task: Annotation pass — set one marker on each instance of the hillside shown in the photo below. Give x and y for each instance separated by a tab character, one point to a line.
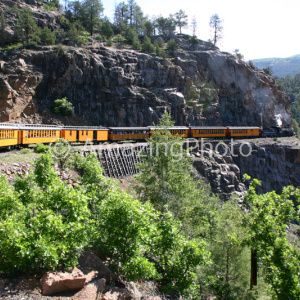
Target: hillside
280	67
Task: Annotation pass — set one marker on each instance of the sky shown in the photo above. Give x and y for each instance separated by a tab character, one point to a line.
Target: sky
257	28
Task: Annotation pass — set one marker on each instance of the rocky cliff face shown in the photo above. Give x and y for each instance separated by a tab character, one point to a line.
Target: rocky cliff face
274	163
43	18
113	87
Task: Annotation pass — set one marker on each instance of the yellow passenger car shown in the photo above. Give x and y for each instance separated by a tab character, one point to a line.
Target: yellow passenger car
128	133
9	134
175	130
84	133
208	132
244	131
36	133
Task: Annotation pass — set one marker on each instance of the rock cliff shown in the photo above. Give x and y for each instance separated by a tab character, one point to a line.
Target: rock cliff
113	87
274	163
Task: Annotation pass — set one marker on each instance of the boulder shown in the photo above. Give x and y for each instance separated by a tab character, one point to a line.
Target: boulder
92	291
88	261
116	293
52	283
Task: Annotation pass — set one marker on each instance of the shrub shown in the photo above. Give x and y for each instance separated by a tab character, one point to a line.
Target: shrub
63	107
40	148
172	45
25	151
47	37
60	49
109	43
106	30
160	52
43	221
147	46
159	42
136	44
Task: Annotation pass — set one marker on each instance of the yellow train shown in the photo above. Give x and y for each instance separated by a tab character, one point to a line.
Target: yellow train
25	134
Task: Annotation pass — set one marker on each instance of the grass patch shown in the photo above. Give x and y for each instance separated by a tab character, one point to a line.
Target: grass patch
18	157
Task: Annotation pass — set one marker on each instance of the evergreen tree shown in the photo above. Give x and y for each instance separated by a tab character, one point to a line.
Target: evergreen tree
216	25
47	37
165	179
181	19
26	25
2	30
91	10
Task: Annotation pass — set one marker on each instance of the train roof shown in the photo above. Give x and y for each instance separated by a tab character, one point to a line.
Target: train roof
128	128
169	128
83	128
29	126
243	127
208	127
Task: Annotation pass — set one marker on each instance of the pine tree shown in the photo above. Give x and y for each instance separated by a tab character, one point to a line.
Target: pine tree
166	180
2	30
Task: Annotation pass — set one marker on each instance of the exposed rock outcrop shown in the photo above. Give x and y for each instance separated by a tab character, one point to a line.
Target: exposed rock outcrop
126	88
44	18
274	163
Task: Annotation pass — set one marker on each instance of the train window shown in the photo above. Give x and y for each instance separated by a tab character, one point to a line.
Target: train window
70	132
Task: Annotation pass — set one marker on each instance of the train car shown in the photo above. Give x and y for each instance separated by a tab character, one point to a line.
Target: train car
208	132
9	135
182	131
84	133
37	133
244	131
128	133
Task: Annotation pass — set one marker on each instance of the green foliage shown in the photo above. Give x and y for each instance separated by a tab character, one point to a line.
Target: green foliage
3	36
160	51
172	45
267	222
291	86
282	67
268	70
149	28
296	127
217	28
47	37
181	19
42	224
176	256
159	42
136	44
131	35
26	26
166	180
90	11
147	46
25	151
165	26
60	49
228	275
41	148
106	30
75	33
109	43
63	107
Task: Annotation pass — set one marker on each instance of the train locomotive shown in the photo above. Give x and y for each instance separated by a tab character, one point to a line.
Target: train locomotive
12	135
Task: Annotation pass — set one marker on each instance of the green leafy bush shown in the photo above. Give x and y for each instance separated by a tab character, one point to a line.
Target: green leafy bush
25	151
47	37
147	46
40	148
172	45
63	107
43	221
